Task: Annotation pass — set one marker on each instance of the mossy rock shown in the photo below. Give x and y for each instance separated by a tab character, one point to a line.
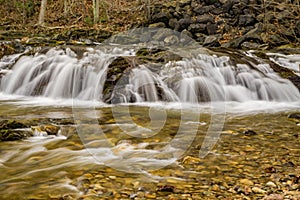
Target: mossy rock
12	124
156	55
117	76
14	134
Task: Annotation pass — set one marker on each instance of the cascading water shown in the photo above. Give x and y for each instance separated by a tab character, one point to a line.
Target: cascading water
64	74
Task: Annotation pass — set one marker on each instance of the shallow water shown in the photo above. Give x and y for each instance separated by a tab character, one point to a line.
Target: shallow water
101	152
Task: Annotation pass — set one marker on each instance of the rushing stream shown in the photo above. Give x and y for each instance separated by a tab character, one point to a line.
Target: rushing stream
207	126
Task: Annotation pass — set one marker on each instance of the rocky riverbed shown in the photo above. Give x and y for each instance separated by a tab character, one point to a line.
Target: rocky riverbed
256	157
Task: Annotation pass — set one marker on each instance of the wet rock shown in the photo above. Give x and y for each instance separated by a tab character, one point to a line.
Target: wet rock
191	160
174	24
11	124
14	134
171	40
183	3
249	132
211	41
294	116
157	25
166	188
50	129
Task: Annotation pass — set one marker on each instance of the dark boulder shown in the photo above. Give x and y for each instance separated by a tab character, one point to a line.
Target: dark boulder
211	2
211	28
227	6
11	124
160	17
246	20
174	24
197	28
14	134
184	23
211	41
203	9
205	18
294	116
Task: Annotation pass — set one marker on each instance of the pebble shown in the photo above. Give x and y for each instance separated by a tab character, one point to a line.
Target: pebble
257	190
246	182
150	196
271	184
273	197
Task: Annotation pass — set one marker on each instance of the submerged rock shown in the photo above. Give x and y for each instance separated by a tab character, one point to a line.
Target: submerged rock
294	116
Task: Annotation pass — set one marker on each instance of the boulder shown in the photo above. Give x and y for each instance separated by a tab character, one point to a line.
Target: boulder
197	28
205	18
211	41
11	124
203	9
246	20
211	28
14	134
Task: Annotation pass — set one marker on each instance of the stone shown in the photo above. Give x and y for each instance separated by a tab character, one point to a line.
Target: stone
174	24
160	17
246	20
205	18
246	182
183	3
157	25
249	132
190	160
210	2
211	41
203	9
197	28
184	23
171	40
273	197
11	124
211	29
14	134
271	184
50	129
187	33
294	116
258	190
227	6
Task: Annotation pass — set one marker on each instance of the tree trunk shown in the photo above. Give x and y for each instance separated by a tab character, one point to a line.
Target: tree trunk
65	7
96	10
42	12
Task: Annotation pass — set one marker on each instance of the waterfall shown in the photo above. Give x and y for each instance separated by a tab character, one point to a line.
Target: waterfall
61	73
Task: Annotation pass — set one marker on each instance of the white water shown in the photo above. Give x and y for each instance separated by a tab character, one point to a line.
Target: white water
61	75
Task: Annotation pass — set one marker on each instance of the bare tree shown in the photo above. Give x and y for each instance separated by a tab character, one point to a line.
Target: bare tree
96	4
42	12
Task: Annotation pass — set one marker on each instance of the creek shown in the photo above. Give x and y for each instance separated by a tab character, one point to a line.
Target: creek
210	125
